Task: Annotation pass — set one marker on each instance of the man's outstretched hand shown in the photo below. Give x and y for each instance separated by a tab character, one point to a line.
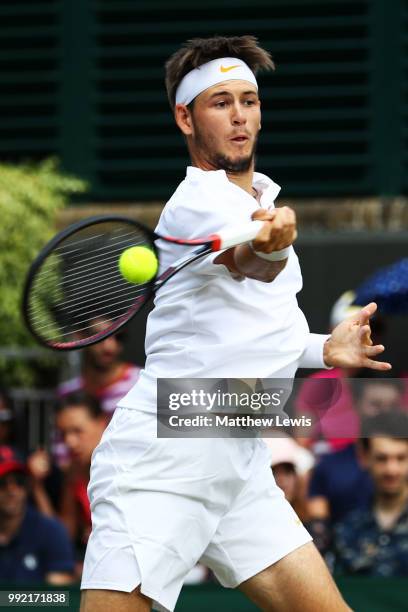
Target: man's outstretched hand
350	345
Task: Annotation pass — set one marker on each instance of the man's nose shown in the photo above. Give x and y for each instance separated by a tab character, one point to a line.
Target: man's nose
110	343
238	117
71	441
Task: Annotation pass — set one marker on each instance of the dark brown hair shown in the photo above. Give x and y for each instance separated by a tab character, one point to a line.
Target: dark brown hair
387	425
80	398
198	51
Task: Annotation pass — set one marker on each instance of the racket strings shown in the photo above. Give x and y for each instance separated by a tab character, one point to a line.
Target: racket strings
91	328
64	249
37	318
83	285
78	291
78	301
99	250
103	263
73	328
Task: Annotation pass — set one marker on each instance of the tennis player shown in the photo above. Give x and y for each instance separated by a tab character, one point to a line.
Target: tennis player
161	505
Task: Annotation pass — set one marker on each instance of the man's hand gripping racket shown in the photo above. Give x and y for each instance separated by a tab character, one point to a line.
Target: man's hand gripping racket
76	293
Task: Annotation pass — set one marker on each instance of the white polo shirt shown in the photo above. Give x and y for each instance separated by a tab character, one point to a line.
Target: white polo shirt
205	323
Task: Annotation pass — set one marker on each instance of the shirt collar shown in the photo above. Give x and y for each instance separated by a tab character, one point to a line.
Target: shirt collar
261	182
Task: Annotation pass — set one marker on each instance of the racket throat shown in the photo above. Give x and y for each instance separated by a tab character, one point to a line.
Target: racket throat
181	263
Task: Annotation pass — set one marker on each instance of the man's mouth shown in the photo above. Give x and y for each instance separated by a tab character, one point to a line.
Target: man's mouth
240	138
390	482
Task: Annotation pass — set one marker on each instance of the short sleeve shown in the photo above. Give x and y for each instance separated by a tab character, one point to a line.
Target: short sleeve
198	216
312	356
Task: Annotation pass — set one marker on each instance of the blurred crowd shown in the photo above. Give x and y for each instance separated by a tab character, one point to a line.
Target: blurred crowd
353	497
45	516
347	479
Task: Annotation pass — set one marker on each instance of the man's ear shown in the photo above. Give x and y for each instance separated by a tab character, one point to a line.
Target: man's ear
183	119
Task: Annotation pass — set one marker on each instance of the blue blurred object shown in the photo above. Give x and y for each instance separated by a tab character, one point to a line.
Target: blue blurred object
388	287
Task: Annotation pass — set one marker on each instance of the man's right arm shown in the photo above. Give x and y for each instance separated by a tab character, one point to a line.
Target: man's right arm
277	233
242	262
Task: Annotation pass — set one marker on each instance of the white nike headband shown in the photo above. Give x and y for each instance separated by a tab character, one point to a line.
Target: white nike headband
207	75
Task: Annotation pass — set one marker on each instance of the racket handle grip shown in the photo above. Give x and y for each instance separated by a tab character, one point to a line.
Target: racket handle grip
231	237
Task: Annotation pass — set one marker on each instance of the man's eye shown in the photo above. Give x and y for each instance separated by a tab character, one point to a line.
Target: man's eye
249	102
220	104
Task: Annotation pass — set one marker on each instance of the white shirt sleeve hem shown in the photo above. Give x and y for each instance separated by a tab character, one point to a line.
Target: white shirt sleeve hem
312	356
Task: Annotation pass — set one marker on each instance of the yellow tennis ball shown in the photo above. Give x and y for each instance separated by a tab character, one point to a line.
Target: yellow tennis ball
138	264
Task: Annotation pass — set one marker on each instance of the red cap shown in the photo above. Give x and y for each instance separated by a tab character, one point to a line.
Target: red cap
10	461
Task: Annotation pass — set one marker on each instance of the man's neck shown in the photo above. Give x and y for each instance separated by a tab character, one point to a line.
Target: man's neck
241	179
244	180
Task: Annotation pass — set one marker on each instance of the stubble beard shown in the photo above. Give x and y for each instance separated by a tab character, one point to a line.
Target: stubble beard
238	166
223	162
390	495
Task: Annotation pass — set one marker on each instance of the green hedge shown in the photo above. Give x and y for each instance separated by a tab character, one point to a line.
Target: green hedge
30	197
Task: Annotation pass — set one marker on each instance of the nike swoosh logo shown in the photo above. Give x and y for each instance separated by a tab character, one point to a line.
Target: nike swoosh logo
228	68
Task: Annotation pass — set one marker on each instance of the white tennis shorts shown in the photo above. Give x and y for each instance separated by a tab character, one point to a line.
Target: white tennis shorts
161	505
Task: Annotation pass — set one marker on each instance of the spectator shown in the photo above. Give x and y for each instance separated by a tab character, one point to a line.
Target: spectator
377	393
104	375
45	481
326	397
374	541
44	475
339	483
33	548
291	466
81	422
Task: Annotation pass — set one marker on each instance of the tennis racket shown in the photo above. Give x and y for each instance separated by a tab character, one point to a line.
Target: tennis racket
75	294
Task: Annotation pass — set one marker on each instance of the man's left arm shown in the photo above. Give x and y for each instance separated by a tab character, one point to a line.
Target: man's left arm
348	346
313	354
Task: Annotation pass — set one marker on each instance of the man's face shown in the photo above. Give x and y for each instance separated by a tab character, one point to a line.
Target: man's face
13	494
80	431
225	121
105	354
387	463
378	398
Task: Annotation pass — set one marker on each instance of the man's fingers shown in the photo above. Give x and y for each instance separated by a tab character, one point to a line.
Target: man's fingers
372	351
278	231
365	335
366	313
377	365
261	214
364	330
272	239
363	316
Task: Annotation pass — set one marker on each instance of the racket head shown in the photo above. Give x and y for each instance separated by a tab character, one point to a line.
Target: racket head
75	295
